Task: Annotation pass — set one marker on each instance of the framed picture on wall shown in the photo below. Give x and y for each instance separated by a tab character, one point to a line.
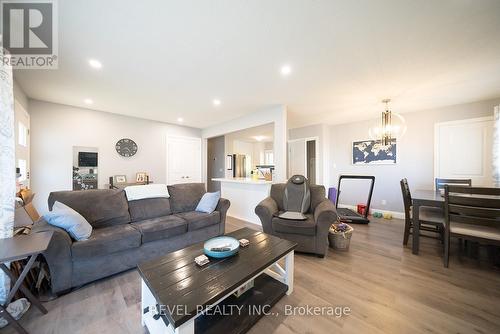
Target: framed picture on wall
229	162
372	152
141	177
120	179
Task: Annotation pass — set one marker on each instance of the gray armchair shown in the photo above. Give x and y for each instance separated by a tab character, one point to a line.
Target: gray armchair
311	234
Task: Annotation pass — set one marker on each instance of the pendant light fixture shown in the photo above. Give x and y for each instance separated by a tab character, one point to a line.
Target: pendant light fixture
391	126
386	124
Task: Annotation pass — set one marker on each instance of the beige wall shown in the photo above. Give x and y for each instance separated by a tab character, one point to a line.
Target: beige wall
415	153
56	128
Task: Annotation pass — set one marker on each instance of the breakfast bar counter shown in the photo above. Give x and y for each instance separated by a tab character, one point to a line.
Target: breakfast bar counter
244	194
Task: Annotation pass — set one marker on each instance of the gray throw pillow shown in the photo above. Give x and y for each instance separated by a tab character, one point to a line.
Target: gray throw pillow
208	202
68	219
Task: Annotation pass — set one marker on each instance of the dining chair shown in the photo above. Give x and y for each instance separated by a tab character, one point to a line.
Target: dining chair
440	183
431	219
471	213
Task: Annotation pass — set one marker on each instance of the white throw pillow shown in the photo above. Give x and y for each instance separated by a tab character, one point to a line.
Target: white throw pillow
68	219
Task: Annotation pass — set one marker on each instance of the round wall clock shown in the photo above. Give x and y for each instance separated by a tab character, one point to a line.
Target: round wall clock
126	147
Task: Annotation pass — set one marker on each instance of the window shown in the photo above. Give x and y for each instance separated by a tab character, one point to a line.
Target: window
23	170
268	157
23	135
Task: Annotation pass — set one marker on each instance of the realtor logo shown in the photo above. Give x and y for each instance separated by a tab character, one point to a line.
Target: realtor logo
29	33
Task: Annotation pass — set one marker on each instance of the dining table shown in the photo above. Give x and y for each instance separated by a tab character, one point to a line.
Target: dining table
429	198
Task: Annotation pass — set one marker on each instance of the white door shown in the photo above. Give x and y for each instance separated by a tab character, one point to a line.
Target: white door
297	157
183	159
22	133
464	150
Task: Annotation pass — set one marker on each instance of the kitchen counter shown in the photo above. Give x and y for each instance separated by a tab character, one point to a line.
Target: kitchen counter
244	193
246	180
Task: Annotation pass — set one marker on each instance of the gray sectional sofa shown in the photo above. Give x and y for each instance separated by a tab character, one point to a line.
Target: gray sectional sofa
126	233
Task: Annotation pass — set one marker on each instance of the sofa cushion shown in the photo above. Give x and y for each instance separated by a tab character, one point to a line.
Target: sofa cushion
161	228
185	197
197	220
301	227
101	208
148	208
105	241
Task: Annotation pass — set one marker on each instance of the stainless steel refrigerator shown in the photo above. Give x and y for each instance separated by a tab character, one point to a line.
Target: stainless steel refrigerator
239	165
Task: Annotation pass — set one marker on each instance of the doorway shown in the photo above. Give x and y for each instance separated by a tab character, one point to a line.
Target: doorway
215	162
303	157
311	161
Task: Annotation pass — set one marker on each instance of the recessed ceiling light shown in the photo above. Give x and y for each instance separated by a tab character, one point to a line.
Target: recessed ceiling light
88	101
259	138
216	102
285	70
95	63
180	119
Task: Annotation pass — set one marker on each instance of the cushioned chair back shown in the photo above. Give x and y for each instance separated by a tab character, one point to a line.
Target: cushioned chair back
185	197
100	207
405	190
297	195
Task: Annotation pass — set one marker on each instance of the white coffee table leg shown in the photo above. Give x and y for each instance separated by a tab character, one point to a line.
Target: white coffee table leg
186	328
143	301
289	272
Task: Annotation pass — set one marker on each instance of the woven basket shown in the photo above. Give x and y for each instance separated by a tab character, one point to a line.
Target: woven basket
340	240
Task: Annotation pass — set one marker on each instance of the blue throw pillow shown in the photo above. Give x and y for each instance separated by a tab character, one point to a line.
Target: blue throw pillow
208	202
68	219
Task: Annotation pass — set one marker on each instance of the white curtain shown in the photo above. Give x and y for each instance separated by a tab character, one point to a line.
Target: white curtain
496	147
7	164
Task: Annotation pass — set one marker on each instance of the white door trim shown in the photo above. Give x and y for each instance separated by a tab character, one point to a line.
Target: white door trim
198	139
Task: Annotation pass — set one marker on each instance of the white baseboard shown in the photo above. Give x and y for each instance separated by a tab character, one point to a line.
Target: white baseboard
395	214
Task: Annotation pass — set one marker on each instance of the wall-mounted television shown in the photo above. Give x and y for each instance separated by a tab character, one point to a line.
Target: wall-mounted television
87	159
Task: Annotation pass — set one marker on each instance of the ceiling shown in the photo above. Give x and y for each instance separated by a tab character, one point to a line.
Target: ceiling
168	59
262	133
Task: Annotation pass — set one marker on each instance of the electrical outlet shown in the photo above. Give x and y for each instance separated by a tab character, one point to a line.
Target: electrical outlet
384	202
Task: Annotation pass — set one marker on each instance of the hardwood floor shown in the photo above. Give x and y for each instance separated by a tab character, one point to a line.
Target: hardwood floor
387	289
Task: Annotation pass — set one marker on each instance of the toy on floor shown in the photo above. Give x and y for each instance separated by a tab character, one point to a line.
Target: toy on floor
385	215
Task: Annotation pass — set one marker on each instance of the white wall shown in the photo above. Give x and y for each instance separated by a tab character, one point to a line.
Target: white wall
56	128
20	96
415	153
276	115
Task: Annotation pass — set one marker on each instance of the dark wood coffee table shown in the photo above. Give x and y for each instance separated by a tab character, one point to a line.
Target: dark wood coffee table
180	297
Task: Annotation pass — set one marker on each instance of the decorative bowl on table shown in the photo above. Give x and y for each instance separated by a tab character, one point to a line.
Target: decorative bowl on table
221	247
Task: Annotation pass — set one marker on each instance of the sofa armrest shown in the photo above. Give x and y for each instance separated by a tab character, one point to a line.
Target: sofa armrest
325	215
222	207
57	255
265	210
